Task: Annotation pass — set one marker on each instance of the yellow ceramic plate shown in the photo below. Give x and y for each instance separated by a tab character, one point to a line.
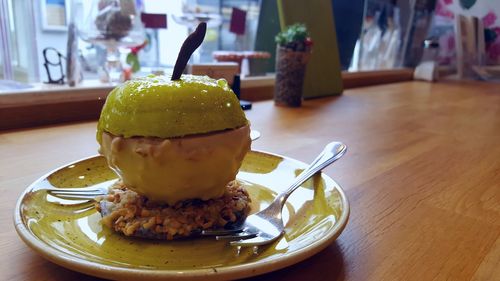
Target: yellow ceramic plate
71	235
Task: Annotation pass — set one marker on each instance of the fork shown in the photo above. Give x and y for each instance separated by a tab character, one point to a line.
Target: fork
267	226
81	193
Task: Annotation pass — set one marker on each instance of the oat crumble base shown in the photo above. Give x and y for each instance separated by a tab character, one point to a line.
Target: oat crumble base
131	214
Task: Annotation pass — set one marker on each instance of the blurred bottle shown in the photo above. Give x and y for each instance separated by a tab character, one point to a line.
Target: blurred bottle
431	49
428	67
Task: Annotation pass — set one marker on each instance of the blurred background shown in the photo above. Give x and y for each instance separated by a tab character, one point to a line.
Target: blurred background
371	35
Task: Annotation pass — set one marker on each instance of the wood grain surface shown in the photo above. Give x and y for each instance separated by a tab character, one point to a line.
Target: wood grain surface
422	174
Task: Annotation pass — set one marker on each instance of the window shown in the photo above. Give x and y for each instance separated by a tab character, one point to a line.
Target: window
380	30
17	37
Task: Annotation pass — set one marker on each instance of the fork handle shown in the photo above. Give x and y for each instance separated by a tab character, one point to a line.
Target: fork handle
331	153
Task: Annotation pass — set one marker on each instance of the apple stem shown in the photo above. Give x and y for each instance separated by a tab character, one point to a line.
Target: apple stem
192	42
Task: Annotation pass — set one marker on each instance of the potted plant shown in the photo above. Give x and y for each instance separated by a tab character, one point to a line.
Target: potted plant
293	51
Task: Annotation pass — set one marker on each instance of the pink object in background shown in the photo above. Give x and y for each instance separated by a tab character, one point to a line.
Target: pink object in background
238	21
489	19
494	53
442	9
154	20
489	13
492	47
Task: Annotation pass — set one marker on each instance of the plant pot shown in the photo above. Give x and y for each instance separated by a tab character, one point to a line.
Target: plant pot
290	70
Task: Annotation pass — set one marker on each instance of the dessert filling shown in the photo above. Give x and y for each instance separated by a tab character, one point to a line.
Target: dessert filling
177	169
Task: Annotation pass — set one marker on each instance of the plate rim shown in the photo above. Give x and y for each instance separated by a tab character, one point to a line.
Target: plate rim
235	271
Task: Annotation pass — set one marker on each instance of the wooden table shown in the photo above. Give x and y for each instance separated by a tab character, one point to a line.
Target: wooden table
422	175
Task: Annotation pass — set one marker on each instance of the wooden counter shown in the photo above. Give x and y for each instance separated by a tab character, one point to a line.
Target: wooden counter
422	175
